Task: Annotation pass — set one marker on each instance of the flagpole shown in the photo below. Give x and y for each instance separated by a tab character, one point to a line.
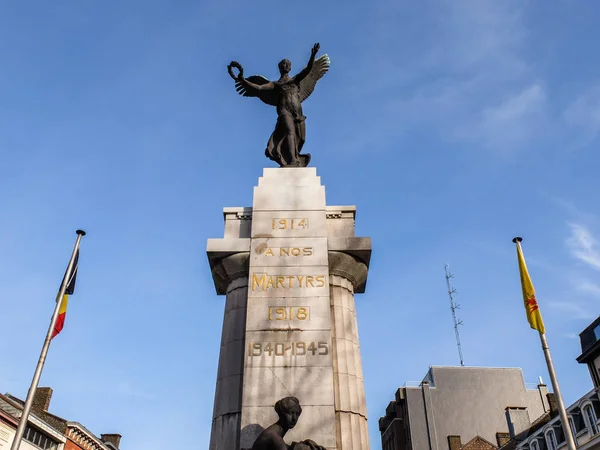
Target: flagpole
40	365
561	406
562	412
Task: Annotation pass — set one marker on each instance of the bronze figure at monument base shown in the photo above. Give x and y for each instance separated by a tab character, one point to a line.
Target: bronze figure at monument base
288	409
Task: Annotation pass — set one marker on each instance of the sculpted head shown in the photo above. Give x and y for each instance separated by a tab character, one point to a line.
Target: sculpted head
288	409
285	66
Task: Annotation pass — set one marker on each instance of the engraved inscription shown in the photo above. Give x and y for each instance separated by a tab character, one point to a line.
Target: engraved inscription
289	223
289	251
282	348
265	282
289	313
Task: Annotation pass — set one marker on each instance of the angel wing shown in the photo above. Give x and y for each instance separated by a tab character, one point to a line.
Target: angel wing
268	97
319	68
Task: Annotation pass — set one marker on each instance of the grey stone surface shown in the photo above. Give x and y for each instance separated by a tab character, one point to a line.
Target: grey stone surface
311	281
352	431
237	222
286	252
340	221
359	247
293	357
313	384
231	359
226	424
289	198
286	224
225	432
350	403
233	325
291	176
227	396
306	313
237	301
226	269
291	348
323	247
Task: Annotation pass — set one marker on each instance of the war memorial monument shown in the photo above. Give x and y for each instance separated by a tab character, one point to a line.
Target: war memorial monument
290	372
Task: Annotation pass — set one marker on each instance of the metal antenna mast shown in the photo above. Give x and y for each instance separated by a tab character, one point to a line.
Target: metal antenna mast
453	307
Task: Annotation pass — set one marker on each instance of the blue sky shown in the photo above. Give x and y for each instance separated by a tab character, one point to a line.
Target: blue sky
452	125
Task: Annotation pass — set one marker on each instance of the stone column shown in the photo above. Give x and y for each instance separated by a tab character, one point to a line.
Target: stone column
231	274
347	273
288	325
289	267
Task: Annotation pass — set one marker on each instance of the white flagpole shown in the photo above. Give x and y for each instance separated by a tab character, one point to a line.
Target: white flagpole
40	365
561	406
562	412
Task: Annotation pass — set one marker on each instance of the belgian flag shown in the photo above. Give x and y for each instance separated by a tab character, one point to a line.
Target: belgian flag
70	282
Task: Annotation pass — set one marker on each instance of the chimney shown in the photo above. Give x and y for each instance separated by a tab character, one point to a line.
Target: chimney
41	399
518	421
552	402
454	442
543	390
114	439
502	439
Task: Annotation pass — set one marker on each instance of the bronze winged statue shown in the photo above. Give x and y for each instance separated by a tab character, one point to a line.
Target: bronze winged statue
287	94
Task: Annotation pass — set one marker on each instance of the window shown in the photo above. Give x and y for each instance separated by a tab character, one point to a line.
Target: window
573	429
39	440
595	373
597	332
591	418
551	440
534	445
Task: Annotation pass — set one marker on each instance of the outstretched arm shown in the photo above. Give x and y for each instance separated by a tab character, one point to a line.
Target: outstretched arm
259	87
303	74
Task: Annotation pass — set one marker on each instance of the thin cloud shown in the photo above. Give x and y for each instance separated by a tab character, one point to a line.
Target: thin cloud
468	76
583	115
584	246
571	310
587	287
481	91
568	206
518	119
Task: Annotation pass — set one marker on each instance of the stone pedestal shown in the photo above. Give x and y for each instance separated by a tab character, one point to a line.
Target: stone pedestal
290	266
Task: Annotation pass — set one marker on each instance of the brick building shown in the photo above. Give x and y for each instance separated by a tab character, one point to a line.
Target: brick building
47	431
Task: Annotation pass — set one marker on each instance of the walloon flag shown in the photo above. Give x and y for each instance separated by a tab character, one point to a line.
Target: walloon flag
534	316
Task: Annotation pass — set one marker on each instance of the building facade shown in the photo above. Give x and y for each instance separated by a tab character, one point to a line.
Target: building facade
546	433
590	351
456	405
38	434
469	408
45	430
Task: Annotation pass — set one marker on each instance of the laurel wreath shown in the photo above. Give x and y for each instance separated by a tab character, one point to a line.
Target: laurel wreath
235	65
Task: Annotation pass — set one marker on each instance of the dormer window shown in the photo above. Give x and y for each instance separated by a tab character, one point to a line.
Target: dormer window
551	442
573	430
534	445
590	415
